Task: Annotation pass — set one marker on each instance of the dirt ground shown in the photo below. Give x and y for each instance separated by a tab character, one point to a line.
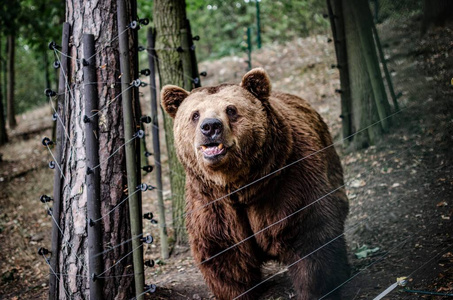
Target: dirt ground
400	190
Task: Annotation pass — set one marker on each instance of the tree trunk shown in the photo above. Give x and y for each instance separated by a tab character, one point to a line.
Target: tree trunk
169	19
11	83
335	8
436	12
364	111
364	22
100	19
3	134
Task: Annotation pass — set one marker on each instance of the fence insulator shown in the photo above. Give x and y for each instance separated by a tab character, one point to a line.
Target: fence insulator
50	211
144	187
46	141
204	74
144	21
94	277
149	263
179	49
335	66
150	288
51	164
145	72
148	216
56	64
49	93
148	154
54	116
325	16
196	38
329	40
143	84
133	24
141	48
338	91
89	171
147	169
45	199
140	134
136	82
193	47
145	119
43	251
147	239
196	80
52	45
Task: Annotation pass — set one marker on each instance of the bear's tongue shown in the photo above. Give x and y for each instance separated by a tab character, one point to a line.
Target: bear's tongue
212	150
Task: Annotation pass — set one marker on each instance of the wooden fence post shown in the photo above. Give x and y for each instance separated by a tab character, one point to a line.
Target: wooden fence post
249	47
186	60
131	168
156	144
338	33
193	55
93	179
384	66
56	207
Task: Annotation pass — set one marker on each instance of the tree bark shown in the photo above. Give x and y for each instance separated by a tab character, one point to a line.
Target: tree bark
11	81
364	111
335	8
169	19
364	22
100	19
3	134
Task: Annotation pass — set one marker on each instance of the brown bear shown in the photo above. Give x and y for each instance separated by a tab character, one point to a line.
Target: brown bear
264	182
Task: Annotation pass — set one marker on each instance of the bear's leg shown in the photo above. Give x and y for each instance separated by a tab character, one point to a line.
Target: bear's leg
232	274
321	272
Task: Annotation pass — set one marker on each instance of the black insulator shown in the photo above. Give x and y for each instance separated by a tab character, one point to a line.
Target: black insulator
46	141
45	199
149	263
145	72
147	169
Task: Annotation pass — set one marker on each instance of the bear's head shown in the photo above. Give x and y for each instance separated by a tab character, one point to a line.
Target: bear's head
220	131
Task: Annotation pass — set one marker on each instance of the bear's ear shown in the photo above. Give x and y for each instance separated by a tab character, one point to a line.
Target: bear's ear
172	97
257	82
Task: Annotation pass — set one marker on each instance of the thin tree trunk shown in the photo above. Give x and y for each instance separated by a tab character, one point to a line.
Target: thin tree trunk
363	111
3	134
11	83
98	18
169	18
335	8
362	15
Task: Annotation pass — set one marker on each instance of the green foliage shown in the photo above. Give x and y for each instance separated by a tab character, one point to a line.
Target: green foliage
34	23
30	78
222	24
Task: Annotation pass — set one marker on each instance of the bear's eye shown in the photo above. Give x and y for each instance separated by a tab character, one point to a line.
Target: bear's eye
195	116
231	111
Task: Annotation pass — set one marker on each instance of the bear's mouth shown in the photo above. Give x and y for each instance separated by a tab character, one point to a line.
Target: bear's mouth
213	150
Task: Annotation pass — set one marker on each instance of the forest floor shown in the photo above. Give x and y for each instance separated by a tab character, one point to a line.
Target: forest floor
400	190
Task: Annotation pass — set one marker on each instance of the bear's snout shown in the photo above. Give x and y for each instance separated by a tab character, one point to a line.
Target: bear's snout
211	128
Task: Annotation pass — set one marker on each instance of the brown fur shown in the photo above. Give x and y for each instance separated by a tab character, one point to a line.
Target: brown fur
268	131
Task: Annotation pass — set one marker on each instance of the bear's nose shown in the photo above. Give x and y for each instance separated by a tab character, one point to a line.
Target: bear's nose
211	127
